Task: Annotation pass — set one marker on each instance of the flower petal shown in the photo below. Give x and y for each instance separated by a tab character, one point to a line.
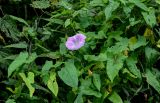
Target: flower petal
75	42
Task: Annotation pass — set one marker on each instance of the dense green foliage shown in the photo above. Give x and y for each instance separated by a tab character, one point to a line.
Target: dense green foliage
120	61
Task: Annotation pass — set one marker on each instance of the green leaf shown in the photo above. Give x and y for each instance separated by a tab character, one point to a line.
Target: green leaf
19	19
151	79
52	83
55	21
31	58
21	59
67	22
63	49
69	74
96	3
28	81
158	1
120	46
110	8
134	44
115	98
131	63
100	57
52	55
43	4
79	99
150	17
47	66
97	81
65	4
123	1
17	45
10	101
86	89
89	91
45	71
139	4
125	70
114	64
151	55
9	27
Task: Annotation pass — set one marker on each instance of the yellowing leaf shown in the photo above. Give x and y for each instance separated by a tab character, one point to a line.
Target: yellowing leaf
158	18
2	39
141	41
149	35
158	44
52	84
132	40
28	81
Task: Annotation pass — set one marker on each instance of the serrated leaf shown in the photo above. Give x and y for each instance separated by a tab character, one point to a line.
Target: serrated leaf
19	19
134	44
151	79
110	8
21	59
52	83
115	98
151	55
125	70
131	63
21	45
85	88
139	4
28	81
69	74
150	17
9	27
120	46
97	81
43	4
114	64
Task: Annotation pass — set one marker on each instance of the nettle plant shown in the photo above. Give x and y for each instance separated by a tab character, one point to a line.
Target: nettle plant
73	51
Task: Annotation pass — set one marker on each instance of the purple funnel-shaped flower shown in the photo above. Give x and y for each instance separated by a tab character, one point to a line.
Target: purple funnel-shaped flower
75	42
